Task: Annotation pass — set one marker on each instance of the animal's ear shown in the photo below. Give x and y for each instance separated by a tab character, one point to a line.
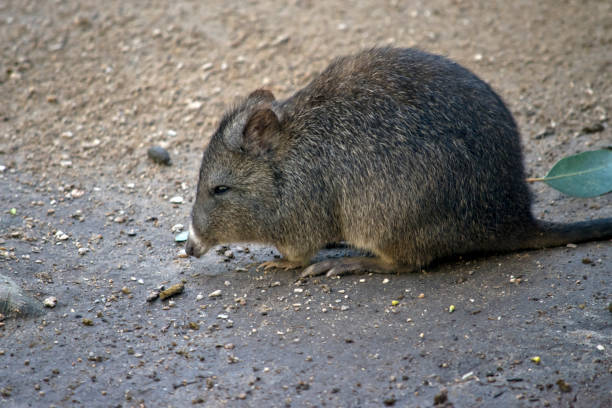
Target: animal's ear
261	134
261	95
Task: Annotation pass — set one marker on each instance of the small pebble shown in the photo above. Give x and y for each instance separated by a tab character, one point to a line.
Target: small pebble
216	293
228	254
153	295
88	322
125	290
176	200
61	236
50	302
159	155
177	228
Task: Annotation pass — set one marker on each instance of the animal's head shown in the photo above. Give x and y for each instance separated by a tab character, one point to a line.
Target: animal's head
237	192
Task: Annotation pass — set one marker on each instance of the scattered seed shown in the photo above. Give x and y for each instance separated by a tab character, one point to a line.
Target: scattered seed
536	359
563	386
451	308
125	290
421	296
394	302
88	322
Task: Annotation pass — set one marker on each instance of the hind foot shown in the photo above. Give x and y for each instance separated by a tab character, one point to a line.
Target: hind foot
342	266
280	264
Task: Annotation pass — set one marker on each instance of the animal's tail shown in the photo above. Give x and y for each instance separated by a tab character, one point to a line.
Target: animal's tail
551	234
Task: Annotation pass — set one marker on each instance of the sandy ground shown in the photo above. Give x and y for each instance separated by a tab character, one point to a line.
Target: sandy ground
86	87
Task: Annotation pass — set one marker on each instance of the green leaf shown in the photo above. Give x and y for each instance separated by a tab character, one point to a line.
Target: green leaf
587	174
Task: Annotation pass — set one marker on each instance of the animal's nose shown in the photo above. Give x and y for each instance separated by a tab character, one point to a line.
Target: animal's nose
189	248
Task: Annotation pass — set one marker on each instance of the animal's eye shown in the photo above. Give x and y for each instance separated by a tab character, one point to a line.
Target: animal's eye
218	190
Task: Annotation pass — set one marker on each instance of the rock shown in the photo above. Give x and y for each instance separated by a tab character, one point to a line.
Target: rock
61	236
176	200
216	293
83	251
50	302
119	219
594	128
177	228
159	155
13	301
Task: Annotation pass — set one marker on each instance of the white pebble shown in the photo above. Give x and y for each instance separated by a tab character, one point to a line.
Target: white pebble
61	236
216	293
176	200
177	228
51	301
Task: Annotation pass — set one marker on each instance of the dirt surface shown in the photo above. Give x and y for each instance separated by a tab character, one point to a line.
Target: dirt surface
87	86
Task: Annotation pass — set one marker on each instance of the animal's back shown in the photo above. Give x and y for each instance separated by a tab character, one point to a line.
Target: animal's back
415	154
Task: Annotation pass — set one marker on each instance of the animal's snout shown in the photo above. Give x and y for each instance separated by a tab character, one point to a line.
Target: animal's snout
195	246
